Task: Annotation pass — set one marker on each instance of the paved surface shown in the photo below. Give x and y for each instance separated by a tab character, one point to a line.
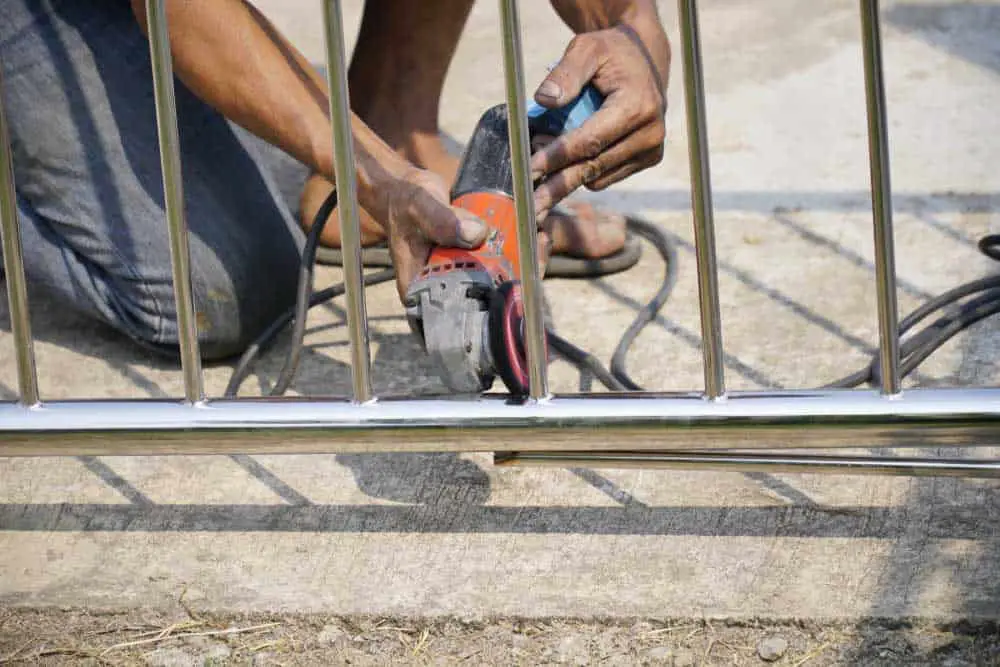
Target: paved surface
430	534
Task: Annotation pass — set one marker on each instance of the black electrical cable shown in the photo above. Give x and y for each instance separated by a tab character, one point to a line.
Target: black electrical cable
916	349
305	299
668	251
307	269
989	245
913	351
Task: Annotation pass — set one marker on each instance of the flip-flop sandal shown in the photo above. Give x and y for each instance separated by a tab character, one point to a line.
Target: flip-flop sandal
371	256
559	266
570	266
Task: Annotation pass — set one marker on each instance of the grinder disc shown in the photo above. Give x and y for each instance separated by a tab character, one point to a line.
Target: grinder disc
506	332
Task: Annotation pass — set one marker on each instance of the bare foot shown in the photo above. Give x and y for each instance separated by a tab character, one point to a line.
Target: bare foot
587	232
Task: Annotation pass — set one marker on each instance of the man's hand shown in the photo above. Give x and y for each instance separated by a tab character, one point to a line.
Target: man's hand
625	135
419	217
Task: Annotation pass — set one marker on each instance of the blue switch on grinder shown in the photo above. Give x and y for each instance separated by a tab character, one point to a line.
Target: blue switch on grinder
554	122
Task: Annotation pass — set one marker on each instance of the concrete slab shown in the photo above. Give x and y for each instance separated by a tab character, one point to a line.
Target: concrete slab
446	534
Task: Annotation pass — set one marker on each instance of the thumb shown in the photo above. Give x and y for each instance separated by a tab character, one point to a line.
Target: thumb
452	227
570	75
471	231
441	223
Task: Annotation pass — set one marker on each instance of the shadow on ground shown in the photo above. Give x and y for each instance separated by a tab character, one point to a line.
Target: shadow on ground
964	29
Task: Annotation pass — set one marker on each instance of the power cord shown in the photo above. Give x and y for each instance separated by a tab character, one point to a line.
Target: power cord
913	351
921	345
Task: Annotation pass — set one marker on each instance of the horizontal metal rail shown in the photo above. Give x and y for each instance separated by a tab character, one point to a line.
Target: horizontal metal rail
768	463
647	422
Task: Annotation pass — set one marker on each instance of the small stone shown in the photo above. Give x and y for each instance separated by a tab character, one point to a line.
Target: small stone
660	654
955	662
685	657
772	648
330	634
263	659
171	657
572	650
217	655
641	628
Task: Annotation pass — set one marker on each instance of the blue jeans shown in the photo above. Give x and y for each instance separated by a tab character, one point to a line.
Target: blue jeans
79	100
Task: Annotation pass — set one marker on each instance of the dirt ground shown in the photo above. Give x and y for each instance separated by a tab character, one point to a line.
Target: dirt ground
59	637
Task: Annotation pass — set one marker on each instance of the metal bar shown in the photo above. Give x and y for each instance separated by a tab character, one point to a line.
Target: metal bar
701	200
878	153
347	201
527	232
13	269
768	463
173	196
599	422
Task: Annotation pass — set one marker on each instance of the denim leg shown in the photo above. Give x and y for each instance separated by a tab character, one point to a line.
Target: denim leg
79	98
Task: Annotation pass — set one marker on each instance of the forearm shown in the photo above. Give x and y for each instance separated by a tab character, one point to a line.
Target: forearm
231	57
641	16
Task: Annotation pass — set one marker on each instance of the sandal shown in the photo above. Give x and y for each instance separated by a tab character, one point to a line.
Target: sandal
559	265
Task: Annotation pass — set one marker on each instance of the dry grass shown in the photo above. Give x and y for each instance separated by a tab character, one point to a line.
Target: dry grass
58	637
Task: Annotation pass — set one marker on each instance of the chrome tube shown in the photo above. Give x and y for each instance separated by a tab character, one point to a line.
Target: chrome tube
13	269
701	200
173	196
878	157
492	423
347	201
527	232
767	463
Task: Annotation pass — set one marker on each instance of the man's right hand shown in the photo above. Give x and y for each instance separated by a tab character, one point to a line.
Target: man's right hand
419	216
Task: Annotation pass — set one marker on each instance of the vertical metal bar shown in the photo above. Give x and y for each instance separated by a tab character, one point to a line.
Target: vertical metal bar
173	194
13	268
347	200
701	200
527	232
878	157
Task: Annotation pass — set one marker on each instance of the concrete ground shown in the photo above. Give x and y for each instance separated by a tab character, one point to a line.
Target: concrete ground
442	534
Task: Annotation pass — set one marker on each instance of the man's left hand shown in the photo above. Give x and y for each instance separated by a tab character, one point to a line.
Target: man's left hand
624	136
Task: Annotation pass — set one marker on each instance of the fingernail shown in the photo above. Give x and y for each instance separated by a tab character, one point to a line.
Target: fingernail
471	231
550	90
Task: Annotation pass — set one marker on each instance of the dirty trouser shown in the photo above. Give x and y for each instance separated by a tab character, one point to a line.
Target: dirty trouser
79	99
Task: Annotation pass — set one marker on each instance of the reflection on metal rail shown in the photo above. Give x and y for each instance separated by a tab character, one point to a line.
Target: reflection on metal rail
655	430
788	463
347	201
527	235
878	142
599	422
173	196
701	200
13	264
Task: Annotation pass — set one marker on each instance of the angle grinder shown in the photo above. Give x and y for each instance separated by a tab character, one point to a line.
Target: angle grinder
465	305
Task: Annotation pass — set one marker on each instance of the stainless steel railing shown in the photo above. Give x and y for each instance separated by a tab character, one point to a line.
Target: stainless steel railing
13	261
173	195
712	429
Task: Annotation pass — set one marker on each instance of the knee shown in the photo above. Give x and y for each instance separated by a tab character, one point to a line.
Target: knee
235	304
234	300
